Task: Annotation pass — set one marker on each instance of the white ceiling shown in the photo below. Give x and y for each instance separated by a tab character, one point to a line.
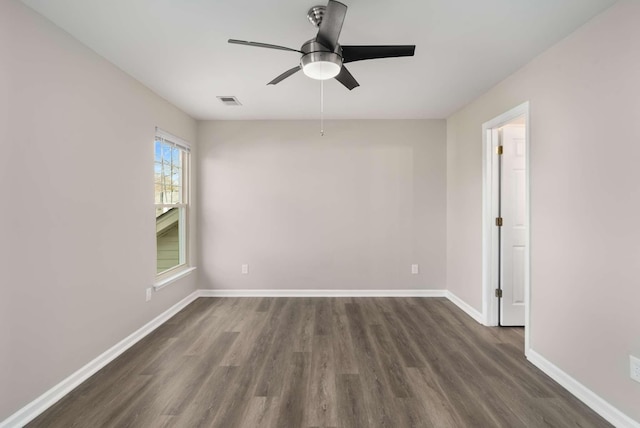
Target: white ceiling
179	49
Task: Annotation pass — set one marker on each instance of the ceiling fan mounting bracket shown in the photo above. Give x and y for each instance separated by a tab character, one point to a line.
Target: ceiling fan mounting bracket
315	15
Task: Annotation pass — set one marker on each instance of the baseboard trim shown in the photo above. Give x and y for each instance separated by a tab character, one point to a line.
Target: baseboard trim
323	293
588	397
464	306
49	398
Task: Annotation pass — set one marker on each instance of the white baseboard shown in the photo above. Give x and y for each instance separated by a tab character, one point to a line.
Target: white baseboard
467	308
49	398
323	293
588	397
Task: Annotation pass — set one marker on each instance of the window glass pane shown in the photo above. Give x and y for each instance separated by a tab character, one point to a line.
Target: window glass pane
157	170
174	196
169	172
169	225
166	153
166	170
176	182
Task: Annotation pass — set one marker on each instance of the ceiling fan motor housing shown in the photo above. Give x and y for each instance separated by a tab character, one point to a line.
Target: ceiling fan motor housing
319	62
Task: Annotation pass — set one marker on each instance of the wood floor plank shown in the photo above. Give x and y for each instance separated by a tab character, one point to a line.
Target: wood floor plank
277	360
323	321
261	412
186	379
390	362
233	410
405	346
209	399
410	414
528	409
377	390
322	406
112	412
239	351
343	350
265	304
352	410
429	397
371	312
303	340
293	401
322	362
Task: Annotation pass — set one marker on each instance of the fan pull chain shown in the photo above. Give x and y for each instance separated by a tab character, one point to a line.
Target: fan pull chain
322	108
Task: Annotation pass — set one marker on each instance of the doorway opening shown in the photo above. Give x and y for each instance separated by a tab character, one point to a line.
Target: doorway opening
506	225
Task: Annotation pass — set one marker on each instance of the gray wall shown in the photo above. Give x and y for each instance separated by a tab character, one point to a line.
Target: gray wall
350	210
585	201
77	215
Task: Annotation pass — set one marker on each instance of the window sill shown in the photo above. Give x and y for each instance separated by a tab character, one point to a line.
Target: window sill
159	285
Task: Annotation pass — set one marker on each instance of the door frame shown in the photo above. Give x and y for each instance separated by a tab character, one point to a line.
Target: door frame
490	244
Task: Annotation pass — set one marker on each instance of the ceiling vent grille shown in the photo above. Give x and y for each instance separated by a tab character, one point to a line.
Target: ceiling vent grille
229	100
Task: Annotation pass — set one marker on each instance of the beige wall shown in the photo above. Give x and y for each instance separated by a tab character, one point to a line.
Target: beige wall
350	210
585	201
77	216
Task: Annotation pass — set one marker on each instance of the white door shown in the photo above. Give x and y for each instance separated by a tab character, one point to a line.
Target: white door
513	210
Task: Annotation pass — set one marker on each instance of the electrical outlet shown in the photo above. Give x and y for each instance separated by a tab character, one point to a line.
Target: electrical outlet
148	294
245	269
414	269
634	364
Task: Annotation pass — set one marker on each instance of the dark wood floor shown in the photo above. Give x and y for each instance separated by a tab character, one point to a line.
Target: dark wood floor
322	362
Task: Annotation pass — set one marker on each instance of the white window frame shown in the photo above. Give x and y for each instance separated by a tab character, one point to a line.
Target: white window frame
184	266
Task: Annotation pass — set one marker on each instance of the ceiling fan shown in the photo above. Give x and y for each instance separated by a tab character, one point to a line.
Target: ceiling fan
323	57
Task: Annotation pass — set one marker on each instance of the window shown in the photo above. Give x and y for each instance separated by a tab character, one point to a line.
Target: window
171	170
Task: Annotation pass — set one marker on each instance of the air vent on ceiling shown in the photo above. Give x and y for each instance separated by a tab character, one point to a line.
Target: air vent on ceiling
229	100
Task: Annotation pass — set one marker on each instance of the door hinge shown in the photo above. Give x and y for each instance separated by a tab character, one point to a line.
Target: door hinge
499	293
499	221
499	150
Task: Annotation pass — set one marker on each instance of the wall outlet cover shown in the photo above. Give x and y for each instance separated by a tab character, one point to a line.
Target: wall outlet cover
634	363
149	290
245	269
415	269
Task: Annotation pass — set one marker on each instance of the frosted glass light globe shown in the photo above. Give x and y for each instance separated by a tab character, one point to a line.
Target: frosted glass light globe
321	65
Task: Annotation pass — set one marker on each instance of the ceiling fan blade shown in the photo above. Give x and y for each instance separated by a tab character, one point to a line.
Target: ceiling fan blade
284	75
359	53
331	24
346	79
262	45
